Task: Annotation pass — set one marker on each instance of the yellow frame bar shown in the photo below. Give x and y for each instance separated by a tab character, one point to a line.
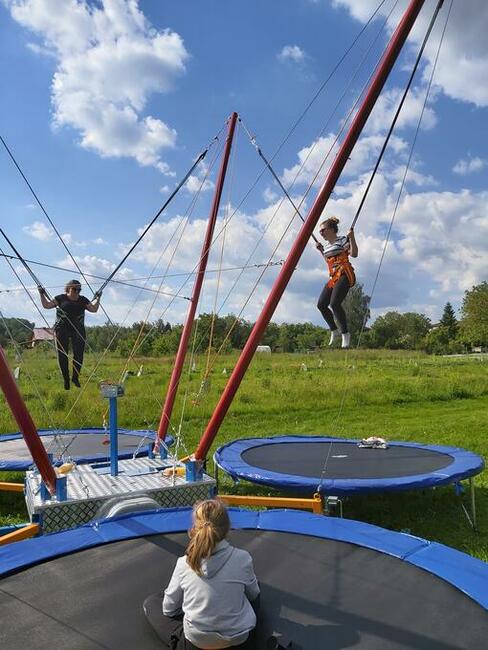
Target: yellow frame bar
314	504
11	487
22	533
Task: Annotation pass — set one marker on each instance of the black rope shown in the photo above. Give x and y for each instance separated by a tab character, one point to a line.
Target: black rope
141	279
22	260
397	113
275	176
392	220
167	202
324	83
39	203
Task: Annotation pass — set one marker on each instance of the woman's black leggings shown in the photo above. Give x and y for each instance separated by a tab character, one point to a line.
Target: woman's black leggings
330	304
63	337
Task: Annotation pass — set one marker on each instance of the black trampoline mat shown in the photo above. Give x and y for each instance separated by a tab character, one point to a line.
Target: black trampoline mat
323	595
343	460
84	444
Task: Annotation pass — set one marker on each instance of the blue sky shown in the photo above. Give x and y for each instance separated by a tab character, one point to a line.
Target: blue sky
106	104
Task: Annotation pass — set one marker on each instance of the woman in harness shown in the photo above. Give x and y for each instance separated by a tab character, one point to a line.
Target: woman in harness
341	278
70	326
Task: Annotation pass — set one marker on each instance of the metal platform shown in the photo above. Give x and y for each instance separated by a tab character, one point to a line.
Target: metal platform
90	486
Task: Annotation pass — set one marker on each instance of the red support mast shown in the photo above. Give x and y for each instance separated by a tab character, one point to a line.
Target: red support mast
26	425
185	335
384	68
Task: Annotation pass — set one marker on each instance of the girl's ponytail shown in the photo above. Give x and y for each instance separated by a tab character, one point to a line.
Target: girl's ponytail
210	526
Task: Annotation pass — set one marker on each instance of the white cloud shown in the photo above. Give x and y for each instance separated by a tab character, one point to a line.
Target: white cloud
109	62
469	166
39	231
292	53
383	112
461	70
269	195
198	184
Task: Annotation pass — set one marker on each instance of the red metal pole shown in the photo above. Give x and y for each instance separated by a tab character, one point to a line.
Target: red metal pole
185	335
26	425
387	61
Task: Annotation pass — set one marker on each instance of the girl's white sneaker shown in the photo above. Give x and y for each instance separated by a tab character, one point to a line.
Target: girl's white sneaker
334	336
346	340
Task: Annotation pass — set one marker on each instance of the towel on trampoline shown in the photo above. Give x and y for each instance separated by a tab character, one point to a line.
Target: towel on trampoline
373	442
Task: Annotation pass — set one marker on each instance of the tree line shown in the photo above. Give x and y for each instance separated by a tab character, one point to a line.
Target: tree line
393	330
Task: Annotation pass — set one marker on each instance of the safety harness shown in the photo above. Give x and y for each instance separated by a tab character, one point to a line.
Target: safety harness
340	265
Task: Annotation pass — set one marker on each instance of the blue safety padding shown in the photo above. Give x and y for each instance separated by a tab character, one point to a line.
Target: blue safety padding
466	573
464	464
24	465
5	530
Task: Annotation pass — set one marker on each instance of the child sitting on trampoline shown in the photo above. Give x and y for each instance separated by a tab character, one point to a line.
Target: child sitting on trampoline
212	596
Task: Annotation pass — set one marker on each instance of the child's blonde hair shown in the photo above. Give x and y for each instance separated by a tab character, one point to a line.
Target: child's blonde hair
331	222
210	526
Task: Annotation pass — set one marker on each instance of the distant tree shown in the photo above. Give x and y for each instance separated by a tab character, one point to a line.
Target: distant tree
474	323
399	331
18	329
286	340
437	340
449	321
356	306
271	336
308	337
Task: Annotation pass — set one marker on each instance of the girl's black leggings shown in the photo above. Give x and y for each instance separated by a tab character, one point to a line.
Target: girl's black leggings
330	304
64	336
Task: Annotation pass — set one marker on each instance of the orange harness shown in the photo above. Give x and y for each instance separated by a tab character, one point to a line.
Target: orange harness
340	265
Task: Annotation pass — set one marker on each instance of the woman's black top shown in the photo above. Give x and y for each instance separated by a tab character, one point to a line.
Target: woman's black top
70	314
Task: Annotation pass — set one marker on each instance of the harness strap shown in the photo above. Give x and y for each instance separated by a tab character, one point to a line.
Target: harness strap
340	265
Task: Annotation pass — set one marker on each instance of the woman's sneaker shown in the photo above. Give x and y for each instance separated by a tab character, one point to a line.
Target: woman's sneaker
346	340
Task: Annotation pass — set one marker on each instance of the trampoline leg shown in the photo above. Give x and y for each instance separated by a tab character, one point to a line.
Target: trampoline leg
471	518
473	502
216	475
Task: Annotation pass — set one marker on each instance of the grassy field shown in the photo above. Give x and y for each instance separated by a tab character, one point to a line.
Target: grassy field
397	395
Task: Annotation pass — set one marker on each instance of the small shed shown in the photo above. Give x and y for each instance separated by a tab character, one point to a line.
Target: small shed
264	348
40	334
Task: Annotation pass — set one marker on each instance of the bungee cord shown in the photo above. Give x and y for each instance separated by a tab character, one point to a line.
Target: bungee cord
397	113
397	203
297	208
139	279
296	176
267	162
181	225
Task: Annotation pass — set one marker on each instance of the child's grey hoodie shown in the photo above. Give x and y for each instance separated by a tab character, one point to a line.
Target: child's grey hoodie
217	612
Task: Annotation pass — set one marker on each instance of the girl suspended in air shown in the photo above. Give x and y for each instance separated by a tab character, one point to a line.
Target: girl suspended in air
212	596
70	326
341	278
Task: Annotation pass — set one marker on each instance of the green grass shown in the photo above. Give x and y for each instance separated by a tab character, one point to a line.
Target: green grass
397	395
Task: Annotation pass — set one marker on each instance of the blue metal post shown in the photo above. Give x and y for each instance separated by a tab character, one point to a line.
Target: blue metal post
114	452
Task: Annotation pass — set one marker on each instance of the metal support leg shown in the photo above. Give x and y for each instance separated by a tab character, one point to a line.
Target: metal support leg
470	517
216	474
473	502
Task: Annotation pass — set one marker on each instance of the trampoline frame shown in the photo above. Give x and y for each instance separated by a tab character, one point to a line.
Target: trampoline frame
24	465
464	466
464	572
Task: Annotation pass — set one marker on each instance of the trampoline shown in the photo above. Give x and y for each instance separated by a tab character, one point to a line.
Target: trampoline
84	446
325	583
339	467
